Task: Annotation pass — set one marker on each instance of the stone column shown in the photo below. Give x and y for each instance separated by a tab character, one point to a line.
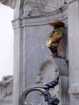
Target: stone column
18	55
18	62
73	24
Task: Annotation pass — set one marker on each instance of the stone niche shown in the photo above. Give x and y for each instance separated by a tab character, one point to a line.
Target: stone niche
39	65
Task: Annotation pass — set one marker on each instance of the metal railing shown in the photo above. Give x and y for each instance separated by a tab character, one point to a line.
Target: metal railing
44	91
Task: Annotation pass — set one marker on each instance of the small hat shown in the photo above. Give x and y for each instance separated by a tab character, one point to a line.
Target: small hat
57	24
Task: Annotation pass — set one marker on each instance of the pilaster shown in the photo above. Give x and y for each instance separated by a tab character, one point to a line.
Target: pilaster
73	36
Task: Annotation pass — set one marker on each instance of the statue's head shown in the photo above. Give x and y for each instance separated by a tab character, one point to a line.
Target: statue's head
57	24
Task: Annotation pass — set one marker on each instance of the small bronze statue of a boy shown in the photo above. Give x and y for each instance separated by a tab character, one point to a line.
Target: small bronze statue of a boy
55	41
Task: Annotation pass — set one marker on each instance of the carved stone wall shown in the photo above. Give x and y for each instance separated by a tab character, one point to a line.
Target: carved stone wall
33	61
35	66
40	7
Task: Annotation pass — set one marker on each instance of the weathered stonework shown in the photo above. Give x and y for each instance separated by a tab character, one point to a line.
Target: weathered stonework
33	63
36	60
74	52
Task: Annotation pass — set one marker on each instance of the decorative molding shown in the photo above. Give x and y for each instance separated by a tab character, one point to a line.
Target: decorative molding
74	89
40	20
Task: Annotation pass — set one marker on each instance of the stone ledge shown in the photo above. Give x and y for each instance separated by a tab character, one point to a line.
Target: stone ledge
74	90
38	21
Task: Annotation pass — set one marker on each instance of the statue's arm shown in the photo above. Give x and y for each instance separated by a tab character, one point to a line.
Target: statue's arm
10	3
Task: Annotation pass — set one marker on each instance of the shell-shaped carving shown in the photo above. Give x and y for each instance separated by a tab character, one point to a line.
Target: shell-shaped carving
41	7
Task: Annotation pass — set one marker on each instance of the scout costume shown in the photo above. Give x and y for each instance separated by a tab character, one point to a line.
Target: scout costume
55	38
